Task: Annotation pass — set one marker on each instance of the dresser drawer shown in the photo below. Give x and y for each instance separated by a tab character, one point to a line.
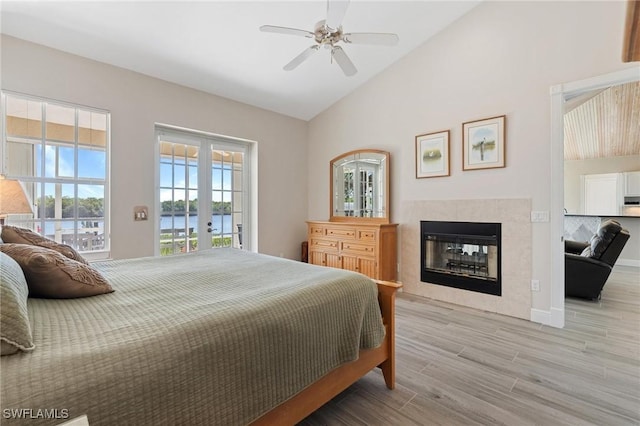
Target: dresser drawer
359	249
325	245
343	233
367	235
315	231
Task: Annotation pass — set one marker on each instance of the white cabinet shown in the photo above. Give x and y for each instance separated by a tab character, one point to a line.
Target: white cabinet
632	184
601	194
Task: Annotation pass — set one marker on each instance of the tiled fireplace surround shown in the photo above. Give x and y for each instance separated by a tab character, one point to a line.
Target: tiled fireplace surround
515	216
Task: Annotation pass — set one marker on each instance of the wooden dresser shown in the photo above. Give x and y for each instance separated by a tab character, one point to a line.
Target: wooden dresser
368	248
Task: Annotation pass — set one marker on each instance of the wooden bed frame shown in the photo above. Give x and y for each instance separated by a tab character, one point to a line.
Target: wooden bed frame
328	386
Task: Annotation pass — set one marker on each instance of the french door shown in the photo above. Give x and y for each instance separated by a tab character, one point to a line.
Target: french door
203	192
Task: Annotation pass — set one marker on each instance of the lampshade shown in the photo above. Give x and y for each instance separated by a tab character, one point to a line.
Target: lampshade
12	198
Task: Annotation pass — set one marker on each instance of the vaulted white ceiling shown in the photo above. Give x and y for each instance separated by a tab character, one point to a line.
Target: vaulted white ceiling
216	47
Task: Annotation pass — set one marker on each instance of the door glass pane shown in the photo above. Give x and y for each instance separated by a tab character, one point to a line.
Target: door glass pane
226	177
193	174
192	231
165	174
237	229
237	178
179	180
227	196
216	177
237	201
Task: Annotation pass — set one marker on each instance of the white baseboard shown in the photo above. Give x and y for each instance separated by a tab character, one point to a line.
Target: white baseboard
628	262
553	318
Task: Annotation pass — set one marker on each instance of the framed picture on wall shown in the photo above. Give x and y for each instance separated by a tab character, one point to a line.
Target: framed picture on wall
483	143
432	155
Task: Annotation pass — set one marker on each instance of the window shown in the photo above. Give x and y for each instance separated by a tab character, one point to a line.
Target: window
203	192
60	154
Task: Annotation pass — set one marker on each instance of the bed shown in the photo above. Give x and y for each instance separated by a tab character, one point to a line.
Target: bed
220	336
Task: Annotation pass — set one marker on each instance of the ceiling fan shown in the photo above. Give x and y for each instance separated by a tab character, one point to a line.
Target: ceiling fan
328	33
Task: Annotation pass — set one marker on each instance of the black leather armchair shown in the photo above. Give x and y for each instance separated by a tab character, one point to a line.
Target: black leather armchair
588	265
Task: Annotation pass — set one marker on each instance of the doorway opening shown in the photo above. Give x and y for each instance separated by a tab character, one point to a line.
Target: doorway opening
560	94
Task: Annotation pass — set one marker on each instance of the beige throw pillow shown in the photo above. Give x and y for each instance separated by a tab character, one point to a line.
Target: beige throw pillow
13	234
15	331
51	275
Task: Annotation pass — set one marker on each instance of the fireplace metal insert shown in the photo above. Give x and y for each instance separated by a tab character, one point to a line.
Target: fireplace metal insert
463	255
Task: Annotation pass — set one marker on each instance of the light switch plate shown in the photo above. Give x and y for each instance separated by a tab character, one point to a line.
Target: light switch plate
539	216
140	213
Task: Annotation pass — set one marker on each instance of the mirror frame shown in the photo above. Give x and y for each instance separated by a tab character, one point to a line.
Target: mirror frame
387	186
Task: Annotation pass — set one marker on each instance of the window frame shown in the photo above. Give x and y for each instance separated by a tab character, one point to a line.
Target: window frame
40	177
181	135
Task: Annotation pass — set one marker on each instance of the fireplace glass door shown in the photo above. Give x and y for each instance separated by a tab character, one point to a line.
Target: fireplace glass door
464	255
459	255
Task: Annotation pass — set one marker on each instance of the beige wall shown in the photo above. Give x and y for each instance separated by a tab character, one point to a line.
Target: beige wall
136	102
500	58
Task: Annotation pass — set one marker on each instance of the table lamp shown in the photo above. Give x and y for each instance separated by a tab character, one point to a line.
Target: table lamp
12	199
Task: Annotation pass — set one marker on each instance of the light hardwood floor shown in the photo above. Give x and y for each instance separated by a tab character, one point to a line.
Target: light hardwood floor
461	366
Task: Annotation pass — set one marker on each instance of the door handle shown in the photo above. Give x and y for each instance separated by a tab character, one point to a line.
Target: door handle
209	230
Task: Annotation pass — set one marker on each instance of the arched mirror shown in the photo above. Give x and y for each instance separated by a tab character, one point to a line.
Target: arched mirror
360	186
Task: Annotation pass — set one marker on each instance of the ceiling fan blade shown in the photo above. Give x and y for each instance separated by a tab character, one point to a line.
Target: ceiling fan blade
306	53
285	30
380	39
336	10
343	60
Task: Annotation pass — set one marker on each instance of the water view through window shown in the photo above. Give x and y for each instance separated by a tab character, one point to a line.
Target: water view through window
59	154
187	171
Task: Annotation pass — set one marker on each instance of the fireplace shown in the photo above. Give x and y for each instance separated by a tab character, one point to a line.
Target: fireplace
463	255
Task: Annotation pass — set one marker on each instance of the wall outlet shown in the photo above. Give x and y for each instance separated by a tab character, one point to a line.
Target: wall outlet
535	285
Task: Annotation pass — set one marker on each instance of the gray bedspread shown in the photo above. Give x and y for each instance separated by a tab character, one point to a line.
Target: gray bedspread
217	337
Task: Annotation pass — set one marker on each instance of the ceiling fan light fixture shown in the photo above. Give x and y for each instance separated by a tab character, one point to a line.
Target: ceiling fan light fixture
328	33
